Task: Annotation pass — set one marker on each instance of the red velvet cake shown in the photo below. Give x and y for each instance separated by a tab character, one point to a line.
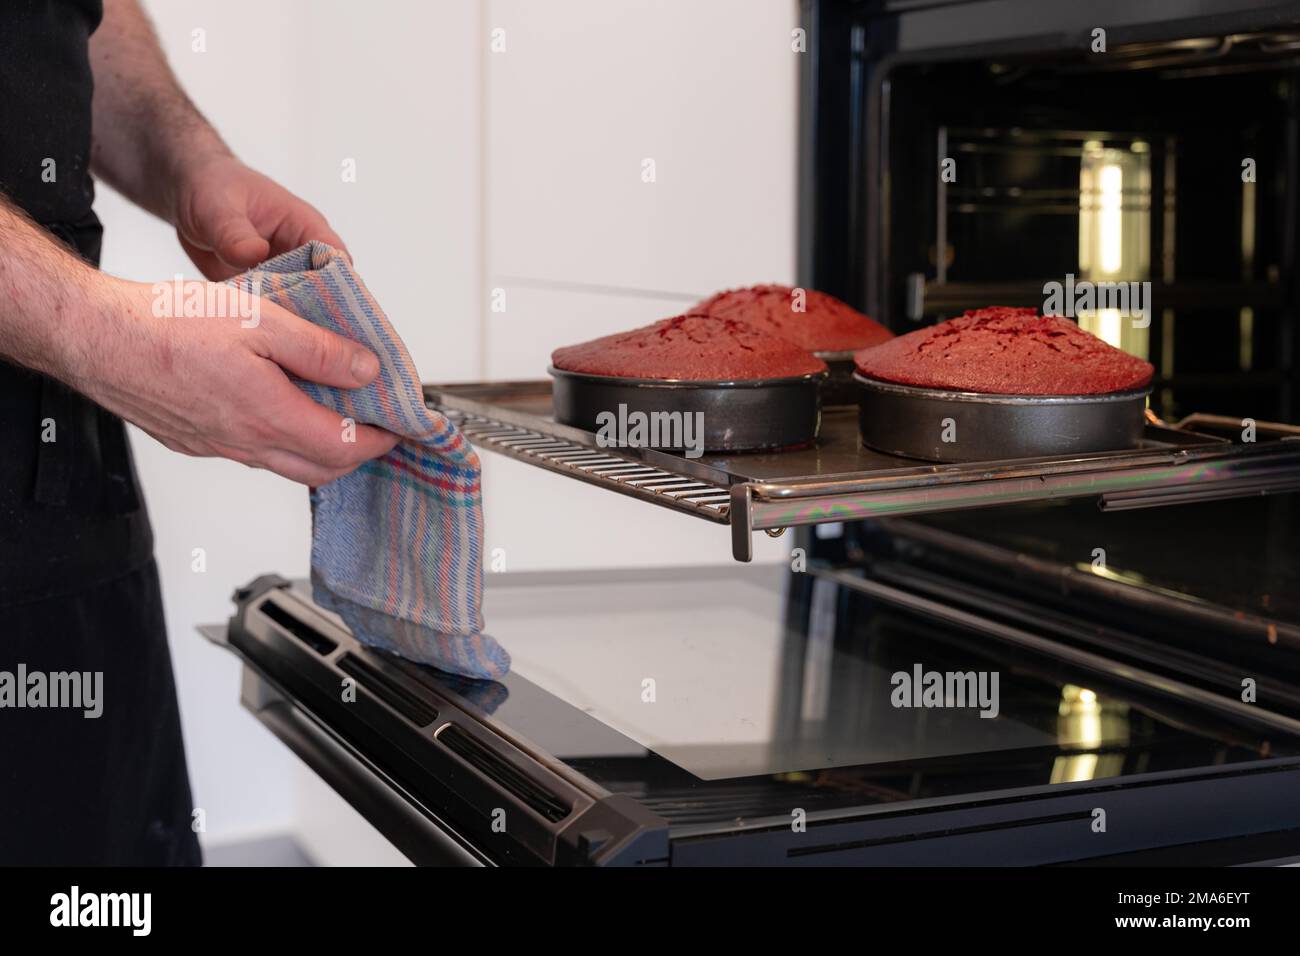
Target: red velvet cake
691	348
1005	351
825	325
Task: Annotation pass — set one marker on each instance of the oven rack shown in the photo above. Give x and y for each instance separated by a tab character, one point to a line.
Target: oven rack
617	472
839	480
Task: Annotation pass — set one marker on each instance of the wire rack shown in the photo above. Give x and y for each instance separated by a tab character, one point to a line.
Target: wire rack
670	489
839	480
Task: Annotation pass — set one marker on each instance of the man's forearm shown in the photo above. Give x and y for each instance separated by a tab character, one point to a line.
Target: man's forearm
48	298
147	134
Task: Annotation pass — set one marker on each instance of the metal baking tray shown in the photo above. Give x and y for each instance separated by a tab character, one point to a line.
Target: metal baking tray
838	479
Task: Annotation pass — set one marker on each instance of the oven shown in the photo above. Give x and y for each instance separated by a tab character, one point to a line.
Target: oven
1072	659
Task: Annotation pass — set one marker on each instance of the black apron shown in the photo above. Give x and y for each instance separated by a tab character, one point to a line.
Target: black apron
78	586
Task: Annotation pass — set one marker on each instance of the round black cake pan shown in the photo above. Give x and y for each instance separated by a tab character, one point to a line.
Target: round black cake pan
735	416
839	388
914	422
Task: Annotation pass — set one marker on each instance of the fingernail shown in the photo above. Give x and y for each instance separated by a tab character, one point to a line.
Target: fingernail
364	366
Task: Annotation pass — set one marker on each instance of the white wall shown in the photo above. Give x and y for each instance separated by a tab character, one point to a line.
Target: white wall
519	170
584	92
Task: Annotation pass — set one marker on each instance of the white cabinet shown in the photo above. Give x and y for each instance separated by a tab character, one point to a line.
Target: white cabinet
587	91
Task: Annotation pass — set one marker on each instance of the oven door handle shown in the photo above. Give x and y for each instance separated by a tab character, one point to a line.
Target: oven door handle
413	830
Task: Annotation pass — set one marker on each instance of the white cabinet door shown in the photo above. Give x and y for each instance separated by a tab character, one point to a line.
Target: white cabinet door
586	94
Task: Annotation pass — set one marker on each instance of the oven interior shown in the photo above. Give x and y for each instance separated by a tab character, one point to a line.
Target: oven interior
976	175
1170	163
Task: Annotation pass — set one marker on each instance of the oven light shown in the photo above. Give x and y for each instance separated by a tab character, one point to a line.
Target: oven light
1111	200
1110	327
1114	234
1114	213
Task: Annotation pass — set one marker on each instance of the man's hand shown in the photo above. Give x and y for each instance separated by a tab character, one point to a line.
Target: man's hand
207	386
202	385
154	146
229	218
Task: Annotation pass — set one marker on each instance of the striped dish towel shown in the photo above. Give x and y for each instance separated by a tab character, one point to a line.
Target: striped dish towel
397	544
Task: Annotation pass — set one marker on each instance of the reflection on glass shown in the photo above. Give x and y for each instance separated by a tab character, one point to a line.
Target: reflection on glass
1084	723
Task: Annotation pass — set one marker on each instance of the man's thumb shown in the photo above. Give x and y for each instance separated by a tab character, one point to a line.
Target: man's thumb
318	355
236	242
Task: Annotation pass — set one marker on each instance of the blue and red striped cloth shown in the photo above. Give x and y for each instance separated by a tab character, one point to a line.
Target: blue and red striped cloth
397	544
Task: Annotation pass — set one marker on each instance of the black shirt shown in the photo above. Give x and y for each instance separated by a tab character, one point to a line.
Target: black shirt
45	90
70	513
